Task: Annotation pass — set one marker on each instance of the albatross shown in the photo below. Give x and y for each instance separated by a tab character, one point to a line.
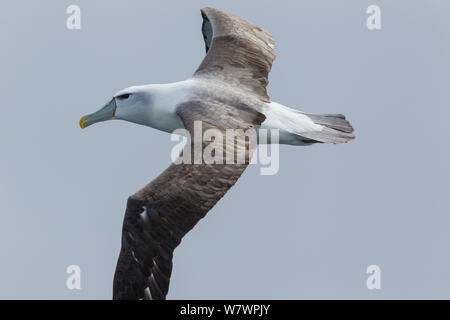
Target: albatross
227	91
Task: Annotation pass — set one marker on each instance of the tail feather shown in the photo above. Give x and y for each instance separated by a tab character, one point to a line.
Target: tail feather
336	129
301	128
333	121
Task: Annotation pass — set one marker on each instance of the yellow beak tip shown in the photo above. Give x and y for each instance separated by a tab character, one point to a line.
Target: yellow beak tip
82	122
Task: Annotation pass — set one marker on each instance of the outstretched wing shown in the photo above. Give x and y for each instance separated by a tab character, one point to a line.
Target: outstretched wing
237	51
161	213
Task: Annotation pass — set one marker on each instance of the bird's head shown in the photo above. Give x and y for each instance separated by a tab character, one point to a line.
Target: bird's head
130	104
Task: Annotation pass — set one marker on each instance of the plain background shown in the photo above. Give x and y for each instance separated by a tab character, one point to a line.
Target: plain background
308	232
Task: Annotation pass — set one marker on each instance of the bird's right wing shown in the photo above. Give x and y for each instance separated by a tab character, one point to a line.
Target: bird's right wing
237	52
161	213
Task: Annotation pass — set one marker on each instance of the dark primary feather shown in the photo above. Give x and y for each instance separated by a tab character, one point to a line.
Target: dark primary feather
207	31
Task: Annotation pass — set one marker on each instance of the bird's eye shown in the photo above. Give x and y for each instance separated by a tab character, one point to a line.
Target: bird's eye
123	96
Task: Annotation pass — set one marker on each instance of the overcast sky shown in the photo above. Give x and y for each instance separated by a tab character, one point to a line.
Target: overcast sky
309	231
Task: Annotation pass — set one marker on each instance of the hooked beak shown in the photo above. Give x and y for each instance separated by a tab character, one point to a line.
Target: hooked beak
105	113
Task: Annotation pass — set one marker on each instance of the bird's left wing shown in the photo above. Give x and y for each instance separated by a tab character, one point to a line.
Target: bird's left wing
161	213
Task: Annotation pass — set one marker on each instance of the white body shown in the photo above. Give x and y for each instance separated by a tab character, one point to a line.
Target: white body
154	106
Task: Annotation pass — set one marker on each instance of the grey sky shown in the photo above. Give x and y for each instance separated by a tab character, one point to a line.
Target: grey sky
308	232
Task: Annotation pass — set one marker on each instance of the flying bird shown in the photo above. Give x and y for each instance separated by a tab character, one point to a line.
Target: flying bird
227	91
